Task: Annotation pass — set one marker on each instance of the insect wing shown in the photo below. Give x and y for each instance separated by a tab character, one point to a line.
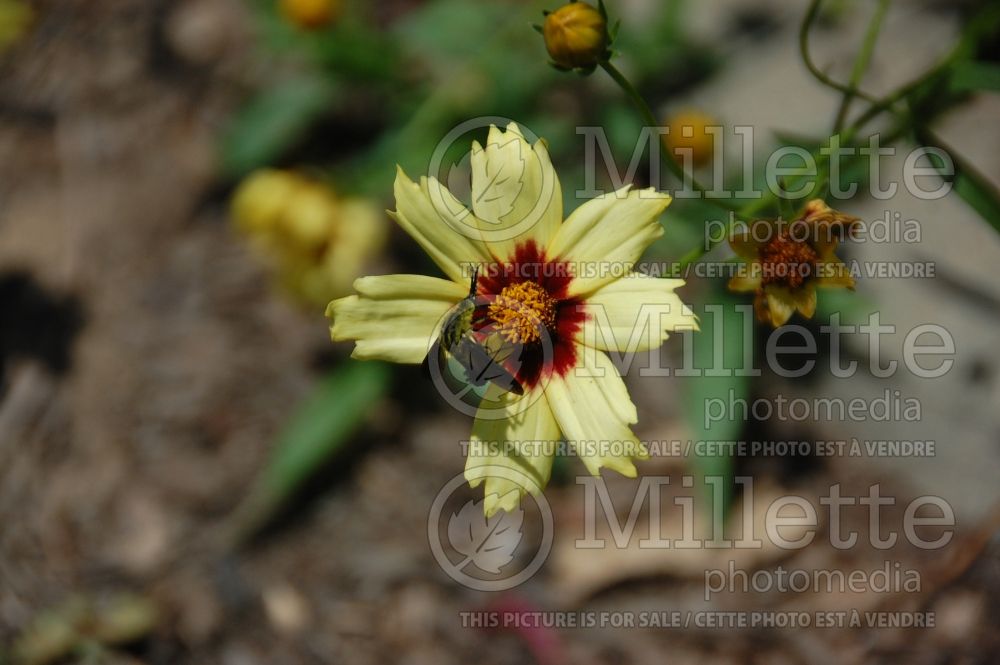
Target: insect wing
494	360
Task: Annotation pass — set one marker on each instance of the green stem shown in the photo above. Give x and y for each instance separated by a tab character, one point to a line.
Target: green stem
979	25
694	255
753	207
966	177
805	29
861	64
891	100
650	120
976	29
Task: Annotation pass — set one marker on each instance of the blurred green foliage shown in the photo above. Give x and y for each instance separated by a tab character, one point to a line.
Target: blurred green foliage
722	347
271	121
314	435
425	69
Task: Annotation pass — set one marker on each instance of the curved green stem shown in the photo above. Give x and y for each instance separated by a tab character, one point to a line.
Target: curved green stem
877	105
861	64
850	92
804	30
650	120
976	28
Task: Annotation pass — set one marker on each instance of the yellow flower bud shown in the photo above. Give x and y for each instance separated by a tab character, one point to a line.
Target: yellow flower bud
260	200
576	36
316	242
310	14
361	235
310	217
688	133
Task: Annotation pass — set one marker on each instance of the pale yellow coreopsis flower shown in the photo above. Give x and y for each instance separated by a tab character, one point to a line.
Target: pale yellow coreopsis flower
554	287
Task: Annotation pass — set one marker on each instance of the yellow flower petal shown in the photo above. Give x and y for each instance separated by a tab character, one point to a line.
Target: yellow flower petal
440	224
834	273
511	447
396	317
779	305
608	233
594	411
746	283
417	287
361	234
515	191
805	300
635	313
747	240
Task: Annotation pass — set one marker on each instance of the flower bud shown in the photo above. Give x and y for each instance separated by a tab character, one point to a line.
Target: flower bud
310	217
576	36
316	242
310	14
688	133
260	200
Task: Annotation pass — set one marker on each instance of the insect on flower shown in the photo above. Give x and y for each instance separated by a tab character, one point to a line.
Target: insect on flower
546	307
476	345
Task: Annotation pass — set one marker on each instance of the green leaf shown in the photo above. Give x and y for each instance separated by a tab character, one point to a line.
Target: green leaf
688	222
979	194
966	180
272	122
968	76
853	307
722	346
315	433
359	52
448	31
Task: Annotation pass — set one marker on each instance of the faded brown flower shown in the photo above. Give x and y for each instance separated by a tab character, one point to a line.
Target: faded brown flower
786	261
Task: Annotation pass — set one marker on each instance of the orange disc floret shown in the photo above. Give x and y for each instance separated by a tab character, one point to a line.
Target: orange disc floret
522	311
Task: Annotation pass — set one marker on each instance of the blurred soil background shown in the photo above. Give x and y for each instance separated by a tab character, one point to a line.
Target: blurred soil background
149	363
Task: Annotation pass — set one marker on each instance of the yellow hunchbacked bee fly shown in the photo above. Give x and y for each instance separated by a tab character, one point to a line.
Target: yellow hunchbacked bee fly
480	352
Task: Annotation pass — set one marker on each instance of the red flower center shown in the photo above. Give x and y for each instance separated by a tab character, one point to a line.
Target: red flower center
527	301
786	261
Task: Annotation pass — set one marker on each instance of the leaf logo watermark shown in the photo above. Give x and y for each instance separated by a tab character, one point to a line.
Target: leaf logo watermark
497	188
507	206
487	543
490	553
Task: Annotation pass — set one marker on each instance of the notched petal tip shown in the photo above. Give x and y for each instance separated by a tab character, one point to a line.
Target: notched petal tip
514	128
623	466
662	199
474	478
653	193
495	136
334	305
494	503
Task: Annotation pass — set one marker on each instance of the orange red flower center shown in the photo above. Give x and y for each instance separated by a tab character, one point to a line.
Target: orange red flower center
528	301
786	261
522	311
